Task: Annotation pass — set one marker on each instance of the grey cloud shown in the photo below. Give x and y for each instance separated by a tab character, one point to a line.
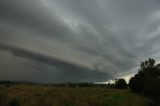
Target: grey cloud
54	70
34	15
113	35
39	57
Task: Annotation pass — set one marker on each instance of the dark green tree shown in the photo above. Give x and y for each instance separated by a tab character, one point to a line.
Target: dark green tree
121	83
147	80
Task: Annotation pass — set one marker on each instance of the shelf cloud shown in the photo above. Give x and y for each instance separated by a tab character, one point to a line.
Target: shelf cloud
76	40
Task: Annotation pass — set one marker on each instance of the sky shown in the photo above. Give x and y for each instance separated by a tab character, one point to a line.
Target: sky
57	41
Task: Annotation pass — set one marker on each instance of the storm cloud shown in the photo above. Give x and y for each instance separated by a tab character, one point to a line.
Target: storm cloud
76	40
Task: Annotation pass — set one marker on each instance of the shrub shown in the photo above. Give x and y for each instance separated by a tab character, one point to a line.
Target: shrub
147	80
152	89
121	83
136	84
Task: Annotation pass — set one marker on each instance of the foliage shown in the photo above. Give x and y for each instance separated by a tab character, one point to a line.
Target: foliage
40	95
137	84
121	83
147	80
153	89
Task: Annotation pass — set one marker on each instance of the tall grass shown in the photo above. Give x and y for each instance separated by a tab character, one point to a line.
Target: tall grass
38	95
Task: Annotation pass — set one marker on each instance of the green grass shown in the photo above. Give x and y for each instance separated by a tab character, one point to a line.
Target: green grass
38	95
126	98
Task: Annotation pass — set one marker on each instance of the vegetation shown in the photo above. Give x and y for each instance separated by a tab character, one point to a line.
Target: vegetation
147	80
49	95
14	102
121	84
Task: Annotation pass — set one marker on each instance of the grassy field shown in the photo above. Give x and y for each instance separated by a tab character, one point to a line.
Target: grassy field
40	95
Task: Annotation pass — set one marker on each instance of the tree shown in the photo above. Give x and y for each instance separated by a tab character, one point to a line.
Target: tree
152	89
121	83
147	80
137	83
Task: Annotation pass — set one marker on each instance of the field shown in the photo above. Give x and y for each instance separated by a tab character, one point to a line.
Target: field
47	95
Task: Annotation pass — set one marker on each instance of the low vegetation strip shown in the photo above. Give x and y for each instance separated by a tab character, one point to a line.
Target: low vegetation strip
39	95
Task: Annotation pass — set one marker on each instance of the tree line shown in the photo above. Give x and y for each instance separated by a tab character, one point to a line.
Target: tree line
147	79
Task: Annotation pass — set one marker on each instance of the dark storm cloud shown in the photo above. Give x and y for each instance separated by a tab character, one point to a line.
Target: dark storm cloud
62	71
105	36
31	55
33	15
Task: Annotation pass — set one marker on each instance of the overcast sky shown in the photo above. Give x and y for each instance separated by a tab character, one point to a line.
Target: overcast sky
76	40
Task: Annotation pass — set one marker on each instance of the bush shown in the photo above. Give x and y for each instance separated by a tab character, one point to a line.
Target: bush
121	83
136	84
152	89
147	80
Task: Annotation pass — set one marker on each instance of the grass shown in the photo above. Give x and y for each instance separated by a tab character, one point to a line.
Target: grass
38	95
14	102
126	98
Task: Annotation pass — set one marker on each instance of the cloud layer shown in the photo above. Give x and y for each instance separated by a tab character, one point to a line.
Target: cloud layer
76	40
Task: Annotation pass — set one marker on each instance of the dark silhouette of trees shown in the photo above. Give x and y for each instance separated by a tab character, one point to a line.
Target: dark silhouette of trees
147	80
136	84
121	83
152	89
